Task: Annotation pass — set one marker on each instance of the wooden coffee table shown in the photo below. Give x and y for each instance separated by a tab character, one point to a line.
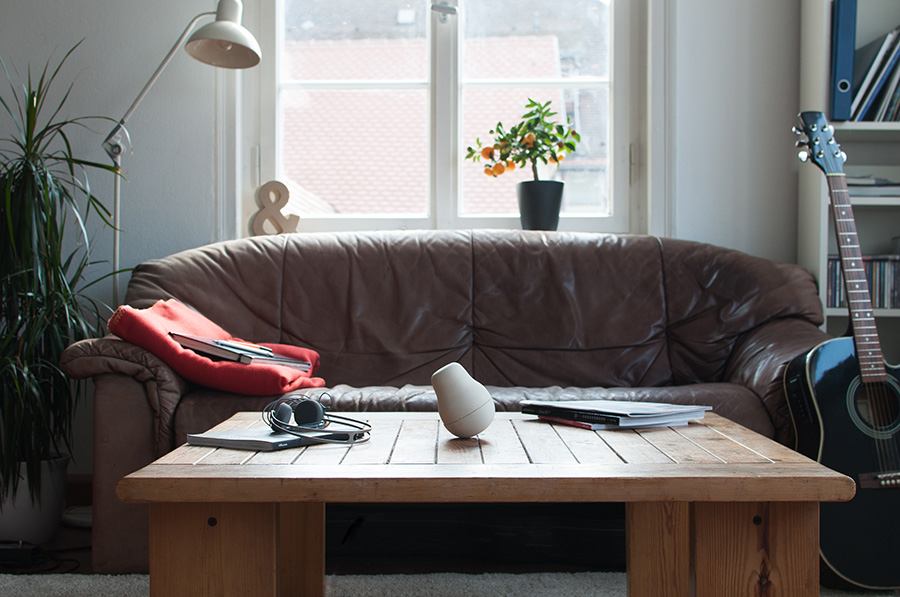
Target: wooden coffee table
711	507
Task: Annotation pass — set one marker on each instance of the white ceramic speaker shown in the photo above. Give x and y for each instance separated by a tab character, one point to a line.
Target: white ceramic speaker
465	406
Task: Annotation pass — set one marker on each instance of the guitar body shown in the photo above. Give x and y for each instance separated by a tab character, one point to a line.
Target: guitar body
852	427
845	401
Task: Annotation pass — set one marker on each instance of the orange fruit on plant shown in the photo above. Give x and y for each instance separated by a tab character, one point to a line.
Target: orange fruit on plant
510	166
498	169
487	152
488	171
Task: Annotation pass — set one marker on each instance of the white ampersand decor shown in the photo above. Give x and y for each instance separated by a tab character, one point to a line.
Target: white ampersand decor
273	197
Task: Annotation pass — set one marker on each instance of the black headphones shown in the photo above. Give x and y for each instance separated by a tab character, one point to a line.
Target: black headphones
311	422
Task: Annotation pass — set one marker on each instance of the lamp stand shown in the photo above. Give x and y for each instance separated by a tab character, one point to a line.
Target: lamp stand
115	147
224	43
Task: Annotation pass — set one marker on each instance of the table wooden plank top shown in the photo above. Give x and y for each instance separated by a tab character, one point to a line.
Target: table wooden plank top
412	458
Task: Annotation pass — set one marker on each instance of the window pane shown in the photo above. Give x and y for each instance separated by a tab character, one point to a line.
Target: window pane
517	39
352	40
355	152
353	140
584	171
508	43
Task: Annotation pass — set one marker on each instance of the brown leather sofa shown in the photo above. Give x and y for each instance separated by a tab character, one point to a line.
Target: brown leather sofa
531	315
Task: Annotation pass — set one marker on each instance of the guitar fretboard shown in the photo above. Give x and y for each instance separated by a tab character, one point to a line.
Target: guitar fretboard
862	317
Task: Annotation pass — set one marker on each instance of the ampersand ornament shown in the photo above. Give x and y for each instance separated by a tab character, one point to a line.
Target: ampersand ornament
273	197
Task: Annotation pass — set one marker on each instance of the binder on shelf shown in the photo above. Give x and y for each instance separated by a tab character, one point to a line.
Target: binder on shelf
868	61
887	103
882	73
843	47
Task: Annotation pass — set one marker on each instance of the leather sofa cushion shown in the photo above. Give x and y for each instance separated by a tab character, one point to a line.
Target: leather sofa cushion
582	311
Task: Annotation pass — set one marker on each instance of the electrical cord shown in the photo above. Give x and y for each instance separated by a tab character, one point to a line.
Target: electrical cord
43	561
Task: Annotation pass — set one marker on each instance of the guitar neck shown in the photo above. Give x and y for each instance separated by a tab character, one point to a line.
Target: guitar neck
862	317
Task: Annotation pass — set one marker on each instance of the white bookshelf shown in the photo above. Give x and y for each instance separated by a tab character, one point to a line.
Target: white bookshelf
871	148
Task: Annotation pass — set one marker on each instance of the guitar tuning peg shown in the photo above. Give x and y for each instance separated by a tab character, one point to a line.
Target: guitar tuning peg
797	131
800	143
803	155
844	156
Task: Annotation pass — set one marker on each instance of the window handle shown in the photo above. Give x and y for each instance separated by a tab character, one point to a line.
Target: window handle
445	10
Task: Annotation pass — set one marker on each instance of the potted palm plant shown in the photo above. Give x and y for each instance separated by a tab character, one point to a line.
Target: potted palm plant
45	201
536	138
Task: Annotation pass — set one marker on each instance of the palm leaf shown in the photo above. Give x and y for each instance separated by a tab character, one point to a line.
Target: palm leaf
42	277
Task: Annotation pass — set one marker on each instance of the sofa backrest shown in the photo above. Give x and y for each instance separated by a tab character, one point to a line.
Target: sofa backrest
515	308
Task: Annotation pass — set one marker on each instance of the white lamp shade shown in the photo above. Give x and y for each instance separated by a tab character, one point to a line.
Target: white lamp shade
224	42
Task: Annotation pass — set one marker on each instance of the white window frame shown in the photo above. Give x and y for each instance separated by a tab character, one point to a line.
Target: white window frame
258	130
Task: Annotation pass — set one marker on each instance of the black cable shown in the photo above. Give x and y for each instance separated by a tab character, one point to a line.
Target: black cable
43	562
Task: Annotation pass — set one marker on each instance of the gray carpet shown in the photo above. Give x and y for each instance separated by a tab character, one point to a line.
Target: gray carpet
550	584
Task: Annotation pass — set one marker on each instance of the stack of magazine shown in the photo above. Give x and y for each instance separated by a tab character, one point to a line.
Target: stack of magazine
614	414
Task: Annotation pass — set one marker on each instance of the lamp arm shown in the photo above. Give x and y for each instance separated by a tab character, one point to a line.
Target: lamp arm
115	147
113	143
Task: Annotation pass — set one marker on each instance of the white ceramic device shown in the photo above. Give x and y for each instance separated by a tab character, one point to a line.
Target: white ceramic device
465	406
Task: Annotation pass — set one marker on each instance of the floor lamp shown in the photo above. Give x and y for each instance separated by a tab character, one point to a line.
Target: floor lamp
224	43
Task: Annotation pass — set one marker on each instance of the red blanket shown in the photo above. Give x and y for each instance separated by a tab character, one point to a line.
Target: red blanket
149	329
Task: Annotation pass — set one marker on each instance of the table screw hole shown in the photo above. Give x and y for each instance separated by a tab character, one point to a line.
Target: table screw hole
757	520
212	521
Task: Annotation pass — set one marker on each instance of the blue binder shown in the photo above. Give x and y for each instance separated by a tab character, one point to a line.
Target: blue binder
843	40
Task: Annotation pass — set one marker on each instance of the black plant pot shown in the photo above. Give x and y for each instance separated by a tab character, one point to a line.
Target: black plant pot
539	203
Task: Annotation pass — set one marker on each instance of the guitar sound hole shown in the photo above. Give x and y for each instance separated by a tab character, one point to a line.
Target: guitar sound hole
878	406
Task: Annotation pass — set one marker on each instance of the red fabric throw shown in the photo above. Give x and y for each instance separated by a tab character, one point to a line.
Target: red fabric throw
149	329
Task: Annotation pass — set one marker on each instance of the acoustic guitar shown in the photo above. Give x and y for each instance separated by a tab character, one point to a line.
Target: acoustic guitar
845	401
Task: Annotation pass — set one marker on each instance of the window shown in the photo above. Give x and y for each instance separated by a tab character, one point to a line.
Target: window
367	108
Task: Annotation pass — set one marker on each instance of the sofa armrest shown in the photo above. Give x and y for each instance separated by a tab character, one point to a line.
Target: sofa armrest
758	362
163	387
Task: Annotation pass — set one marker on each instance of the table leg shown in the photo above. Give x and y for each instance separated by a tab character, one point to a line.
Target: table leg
658	549
301	549
764	549
237	549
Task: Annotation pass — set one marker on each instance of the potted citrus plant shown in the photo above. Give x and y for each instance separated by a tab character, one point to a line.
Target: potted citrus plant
45	201
537	138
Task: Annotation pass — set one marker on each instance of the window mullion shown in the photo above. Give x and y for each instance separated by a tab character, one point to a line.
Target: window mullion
445	105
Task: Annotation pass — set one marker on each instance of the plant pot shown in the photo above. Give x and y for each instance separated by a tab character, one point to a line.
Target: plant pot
36	523
539	204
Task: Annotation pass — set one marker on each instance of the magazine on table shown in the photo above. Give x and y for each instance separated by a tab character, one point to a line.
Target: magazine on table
260	439
616	413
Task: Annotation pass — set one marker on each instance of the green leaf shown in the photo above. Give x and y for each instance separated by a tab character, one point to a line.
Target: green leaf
45	202
547	137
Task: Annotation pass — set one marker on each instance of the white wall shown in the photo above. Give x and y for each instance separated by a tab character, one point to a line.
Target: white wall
734	99
168	201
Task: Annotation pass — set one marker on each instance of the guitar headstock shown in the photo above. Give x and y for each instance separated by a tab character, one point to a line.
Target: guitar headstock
817	139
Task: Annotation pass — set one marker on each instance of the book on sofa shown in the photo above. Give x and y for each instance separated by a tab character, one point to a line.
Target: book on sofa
235	350
615	413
